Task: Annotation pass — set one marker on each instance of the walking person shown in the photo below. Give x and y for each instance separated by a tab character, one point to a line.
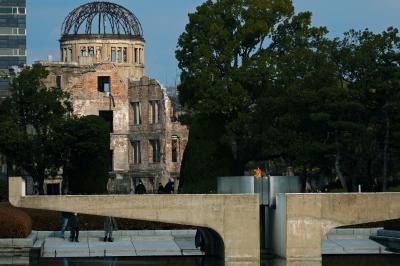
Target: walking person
74	225
65	216
110	224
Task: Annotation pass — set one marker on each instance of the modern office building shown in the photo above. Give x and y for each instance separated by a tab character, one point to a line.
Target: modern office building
12	47
12	37
12	33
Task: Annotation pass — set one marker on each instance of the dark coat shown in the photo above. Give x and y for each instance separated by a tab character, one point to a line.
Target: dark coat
140	189
74	221
110	224
169	187
161	189
66	215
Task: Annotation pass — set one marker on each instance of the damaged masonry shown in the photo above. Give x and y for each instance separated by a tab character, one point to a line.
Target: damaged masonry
102	67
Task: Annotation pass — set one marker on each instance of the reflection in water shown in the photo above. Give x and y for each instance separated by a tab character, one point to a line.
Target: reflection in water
364	260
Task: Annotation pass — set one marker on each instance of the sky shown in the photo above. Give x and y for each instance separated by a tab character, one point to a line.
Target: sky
164	20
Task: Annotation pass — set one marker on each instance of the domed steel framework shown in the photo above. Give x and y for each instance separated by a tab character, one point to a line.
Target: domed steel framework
101	18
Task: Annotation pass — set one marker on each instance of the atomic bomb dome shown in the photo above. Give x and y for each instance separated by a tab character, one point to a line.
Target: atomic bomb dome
102	69
103	32
102	18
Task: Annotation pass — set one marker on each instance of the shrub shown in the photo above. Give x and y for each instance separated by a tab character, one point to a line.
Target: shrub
14	223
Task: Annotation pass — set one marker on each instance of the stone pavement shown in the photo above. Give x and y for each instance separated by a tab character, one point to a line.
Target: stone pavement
126	244
352	241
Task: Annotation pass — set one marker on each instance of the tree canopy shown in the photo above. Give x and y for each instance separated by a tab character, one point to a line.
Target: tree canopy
39	135
284	92
27	121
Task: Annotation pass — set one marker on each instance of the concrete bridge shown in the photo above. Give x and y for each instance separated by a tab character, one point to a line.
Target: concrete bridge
235	218
299	224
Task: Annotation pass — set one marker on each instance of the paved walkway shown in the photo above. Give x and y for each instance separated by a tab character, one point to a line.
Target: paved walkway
352	241
126	244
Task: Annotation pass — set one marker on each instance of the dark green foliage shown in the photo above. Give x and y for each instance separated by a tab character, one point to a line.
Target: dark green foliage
86	142
27	121
206	157
286	93
370	68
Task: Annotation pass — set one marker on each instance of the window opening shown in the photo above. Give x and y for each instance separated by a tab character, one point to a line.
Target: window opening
103	84
91	51
125	55
154	112
119	55
137	119
174	150
58	81
136	152
135	54
113	55
156	154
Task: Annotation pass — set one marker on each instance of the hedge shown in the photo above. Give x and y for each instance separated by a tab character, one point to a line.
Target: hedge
14	223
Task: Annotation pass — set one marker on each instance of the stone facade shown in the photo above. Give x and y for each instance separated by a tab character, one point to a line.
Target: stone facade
129	162
160	140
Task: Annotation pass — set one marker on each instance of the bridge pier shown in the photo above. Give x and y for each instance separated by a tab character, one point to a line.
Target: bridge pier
306	218
234	217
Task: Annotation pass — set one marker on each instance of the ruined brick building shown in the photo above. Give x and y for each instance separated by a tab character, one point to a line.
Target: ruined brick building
102	51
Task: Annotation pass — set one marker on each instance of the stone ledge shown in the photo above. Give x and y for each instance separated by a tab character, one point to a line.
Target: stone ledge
27	242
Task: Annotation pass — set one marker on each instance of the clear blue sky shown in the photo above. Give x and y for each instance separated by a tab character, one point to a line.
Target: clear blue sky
164	20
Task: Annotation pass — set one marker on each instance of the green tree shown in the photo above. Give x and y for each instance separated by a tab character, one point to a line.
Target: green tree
370	67
27	121
219	41
258	66
283	91
85	143
206	157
